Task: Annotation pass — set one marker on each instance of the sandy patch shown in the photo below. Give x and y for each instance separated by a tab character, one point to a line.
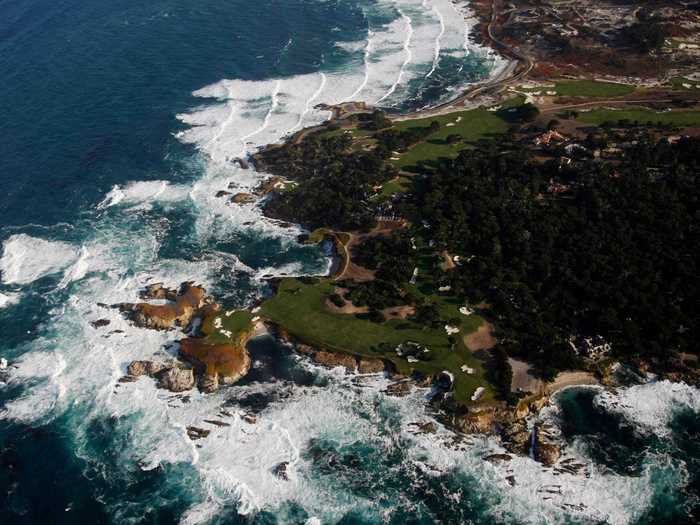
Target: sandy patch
348	307
481	339
447	262
523	380
399	312
565	379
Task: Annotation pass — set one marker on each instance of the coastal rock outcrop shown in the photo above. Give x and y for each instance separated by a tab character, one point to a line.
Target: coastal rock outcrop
178	311
478	422
352	363
176	379
173	377
197	433
148	368
281	470
243	198
368	365
333	360
545	447
216	363
215	353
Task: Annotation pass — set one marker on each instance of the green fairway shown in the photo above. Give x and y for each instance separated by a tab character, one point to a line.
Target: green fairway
585	88
592	88
237	323
397	185
470	125
300	309
641	115
684	83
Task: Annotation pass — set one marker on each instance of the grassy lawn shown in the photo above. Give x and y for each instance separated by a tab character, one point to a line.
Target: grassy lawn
674	118
300	309
470	125
586	88
237	323
397	185
677	83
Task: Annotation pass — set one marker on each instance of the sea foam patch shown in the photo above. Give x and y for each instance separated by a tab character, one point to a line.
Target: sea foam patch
8	299
651	406
26	259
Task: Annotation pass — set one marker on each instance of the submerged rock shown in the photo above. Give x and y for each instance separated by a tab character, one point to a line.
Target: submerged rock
281	470
99	323
498	457
197	433
399	389
243	198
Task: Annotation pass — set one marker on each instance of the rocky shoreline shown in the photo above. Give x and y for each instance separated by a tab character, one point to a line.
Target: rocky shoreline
203	361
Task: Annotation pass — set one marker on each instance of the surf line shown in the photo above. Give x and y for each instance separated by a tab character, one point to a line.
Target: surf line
436	59
409	56
273	106
225	124
307	107
368	50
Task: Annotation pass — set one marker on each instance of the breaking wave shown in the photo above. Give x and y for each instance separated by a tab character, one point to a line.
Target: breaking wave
26	259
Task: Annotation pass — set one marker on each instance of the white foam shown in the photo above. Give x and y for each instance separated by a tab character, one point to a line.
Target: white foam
143	192
436	59
41	401
651	406
8	299
26	259
409	56
293	269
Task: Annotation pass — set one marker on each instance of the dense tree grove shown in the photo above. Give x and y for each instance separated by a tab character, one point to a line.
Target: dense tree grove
334	183
392	257
616	256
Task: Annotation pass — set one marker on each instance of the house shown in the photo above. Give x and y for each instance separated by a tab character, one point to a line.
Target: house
549	137
592	347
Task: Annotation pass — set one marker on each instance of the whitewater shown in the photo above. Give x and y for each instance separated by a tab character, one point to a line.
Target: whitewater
353	452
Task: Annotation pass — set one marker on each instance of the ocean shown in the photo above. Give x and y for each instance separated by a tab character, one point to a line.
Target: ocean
119	123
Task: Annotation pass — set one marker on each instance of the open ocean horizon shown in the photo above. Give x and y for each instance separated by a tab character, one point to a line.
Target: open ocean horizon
120	122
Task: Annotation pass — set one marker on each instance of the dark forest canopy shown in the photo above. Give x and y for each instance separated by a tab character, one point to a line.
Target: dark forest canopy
334	183
617	257
614	255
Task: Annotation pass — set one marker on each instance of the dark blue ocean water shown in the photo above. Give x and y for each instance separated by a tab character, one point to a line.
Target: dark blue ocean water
98	195
90	88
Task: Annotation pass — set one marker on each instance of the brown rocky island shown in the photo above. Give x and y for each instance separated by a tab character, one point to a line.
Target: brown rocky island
213	353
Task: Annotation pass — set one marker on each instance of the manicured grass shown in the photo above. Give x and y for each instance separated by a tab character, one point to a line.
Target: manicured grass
317	236
397	185
641	115
237	323
586	88
592	88
470	125
300	309
677	83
